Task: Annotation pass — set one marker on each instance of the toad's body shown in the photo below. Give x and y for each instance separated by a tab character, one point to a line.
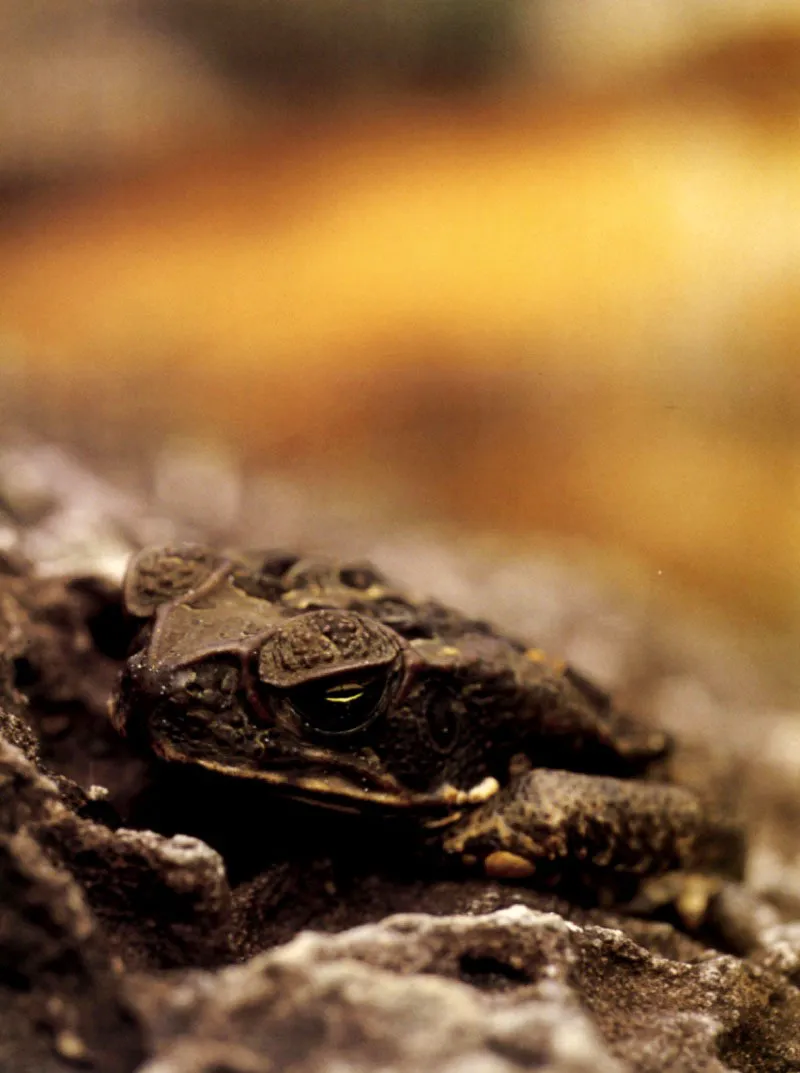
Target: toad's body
316	681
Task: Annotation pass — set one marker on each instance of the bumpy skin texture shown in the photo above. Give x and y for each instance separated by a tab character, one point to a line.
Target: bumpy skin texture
316	681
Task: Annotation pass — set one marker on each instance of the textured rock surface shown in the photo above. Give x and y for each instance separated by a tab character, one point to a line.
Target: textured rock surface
514	989
356	1001
127	950
60	992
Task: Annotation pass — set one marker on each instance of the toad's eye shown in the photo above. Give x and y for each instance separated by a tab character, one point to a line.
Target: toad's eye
338	705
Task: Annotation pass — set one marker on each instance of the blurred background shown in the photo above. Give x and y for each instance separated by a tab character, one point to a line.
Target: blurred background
520	270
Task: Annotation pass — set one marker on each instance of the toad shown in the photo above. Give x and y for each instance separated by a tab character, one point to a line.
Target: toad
318	684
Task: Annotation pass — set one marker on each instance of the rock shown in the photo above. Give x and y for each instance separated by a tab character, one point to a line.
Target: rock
269	910
61	998
159	901
514	989
317	1004
55	680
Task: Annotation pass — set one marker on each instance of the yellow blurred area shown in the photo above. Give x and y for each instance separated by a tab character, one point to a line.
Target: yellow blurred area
600	237
523	316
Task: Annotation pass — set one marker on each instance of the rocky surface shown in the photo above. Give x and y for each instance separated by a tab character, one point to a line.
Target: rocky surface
129	950
514	989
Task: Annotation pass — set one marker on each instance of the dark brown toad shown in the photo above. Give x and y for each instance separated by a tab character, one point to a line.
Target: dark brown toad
316	681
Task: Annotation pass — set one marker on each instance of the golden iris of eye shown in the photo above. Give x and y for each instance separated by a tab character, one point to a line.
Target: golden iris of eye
340	707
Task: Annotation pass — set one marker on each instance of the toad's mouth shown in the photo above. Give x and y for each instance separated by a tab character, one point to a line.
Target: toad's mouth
347	785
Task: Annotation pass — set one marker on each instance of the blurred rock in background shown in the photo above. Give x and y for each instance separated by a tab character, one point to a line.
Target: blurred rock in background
525	268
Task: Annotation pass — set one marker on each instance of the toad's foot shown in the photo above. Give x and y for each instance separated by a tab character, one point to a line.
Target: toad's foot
607	834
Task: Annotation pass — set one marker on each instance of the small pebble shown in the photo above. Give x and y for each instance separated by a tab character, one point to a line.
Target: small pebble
71	1047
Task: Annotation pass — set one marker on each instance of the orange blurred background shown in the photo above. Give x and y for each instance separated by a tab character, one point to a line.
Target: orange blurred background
556	295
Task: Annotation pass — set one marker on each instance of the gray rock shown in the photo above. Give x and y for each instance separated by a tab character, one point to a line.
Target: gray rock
155	900
319	1003
61	1000
515	989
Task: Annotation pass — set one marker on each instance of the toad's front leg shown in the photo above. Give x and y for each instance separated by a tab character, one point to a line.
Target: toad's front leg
606	835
